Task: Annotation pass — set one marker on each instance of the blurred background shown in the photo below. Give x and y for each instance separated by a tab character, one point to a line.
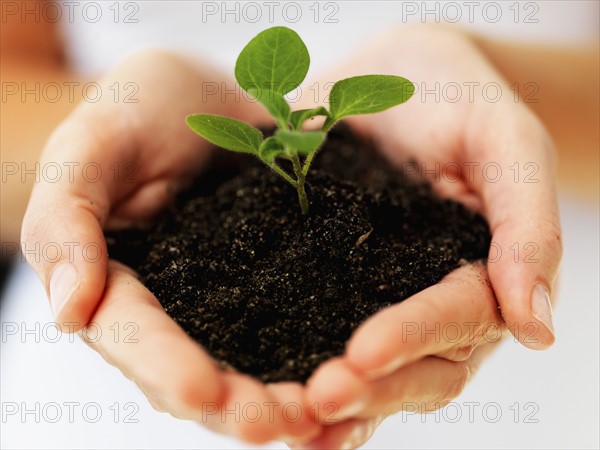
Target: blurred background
519	398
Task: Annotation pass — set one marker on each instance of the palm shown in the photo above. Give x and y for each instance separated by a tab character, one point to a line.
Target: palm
178	376
452	138
381	368
149	152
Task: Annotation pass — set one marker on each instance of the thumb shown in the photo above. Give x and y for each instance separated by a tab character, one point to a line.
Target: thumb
522	210
62	236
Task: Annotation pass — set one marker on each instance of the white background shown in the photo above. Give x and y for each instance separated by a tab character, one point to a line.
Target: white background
559	386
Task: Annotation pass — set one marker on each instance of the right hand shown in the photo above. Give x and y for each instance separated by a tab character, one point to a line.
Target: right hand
150	136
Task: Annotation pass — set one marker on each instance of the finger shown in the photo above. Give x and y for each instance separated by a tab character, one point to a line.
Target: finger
66	217
132	332
335	391
255	413
424	385
174	371
248	411
143	204
522	214
521	208
345	435
448	319
104	154
299	424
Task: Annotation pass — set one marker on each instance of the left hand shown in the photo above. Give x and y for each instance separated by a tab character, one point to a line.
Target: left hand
391	362
433	342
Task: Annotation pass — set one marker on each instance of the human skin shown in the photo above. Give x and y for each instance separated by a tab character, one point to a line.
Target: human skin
176	374
32	52
167	364
386	369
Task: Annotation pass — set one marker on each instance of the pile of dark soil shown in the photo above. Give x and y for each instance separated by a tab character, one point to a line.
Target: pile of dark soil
273	293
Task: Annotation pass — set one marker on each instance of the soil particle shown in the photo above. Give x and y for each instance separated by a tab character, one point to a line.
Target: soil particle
273	293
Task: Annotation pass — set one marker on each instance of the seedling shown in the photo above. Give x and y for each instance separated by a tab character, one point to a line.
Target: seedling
273	64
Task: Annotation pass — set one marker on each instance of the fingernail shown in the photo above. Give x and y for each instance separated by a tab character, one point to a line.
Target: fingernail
359	435
351	409
63	282
541	307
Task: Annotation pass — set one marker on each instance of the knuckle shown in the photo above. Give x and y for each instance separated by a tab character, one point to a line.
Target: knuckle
552	236
460	353
34	230
194	396
188	395
455	386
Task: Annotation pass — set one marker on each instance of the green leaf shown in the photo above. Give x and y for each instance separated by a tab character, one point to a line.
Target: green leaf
228	133
270	149
368	94
277	106
297	118
276	59
303	142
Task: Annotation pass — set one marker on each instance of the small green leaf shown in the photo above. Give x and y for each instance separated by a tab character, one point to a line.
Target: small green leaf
368	94
277	106
276	59
228	133
270	149
297	118
303	142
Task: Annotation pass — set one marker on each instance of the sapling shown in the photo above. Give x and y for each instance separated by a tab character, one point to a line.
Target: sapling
273	64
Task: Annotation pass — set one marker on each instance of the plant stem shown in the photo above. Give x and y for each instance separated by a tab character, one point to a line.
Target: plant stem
307	162
284	175
282	125
302	198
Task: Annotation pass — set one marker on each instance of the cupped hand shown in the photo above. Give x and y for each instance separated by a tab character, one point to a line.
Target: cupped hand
128	156
424	349
145	152
478	145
